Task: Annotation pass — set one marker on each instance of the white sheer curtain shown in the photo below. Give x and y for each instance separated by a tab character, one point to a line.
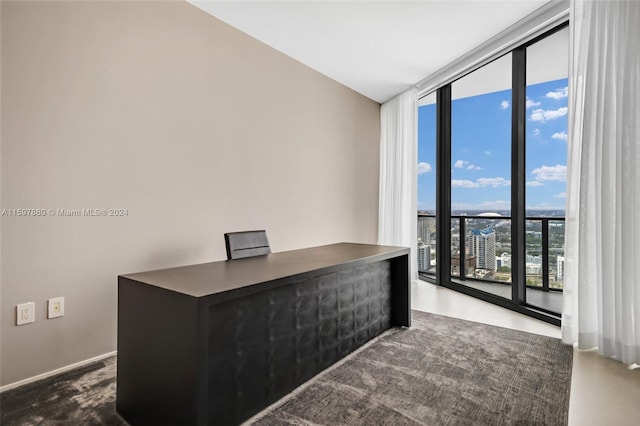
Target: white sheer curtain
602	242
397	214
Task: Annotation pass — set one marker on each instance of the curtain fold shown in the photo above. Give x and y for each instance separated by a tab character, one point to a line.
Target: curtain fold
602	235
397	213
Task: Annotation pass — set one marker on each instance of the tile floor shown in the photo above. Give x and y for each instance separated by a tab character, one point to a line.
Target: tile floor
603	392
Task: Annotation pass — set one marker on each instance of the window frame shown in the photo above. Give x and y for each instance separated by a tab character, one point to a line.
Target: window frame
443	276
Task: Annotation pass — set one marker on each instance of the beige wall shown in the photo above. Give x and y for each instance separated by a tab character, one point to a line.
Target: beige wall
194	127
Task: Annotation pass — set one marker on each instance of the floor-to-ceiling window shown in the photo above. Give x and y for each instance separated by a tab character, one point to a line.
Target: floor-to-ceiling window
546	165
493	179
481	177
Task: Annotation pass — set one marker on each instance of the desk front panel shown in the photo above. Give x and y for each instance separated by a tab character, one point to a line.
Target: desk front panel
263	346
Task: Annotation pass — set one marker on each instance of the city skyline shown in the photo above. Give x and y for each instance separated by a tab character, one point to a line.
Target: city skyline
481	153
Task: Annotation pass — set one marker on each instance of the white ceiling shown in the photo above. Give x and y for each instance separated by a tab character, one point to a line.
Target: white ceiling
377	48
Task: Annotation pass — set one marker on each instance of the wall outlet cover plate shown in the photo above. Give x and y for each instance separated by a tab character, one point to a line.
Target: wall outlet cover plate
25	313
55	307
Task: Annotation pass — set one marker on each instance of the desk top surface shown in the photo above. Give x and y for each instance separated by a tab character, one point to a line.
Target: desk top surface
216	277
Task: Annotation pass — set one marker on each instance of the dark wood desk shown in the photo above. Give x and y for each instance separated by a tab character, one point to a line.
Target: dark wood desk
216	343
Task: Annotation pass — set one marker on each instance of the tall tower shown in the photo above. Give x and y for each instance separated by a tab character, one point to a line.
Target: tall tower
483	247
424	256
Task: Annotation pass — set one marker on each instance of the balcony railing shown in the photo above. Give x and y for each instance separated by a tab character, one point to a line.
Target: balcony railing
486	244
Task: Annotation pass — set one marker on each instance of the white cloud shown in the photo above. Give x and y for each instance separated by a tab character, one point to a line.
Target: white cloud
531	102
561	135
493	182
464	164
487	152
548	114
536	132
550	173
504	104
560	195
424	168
558	94
534	183
463	183
480	183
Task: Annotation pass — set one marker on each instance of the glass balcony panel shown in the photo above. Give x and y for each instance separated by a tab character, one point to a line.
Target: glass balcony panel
556	254
426	244
533	253
487	247
455	247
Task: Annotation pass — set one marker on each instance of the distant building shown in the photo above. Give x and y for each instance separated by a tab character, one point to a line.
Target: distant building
469	264
535	260
504	260
533	265
426	224
560	268
424	256
483	247
533	268
489	214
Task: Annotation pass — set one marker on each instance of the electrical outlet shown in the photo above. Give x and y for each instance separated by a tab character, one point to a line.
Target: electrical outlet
55	307
25	313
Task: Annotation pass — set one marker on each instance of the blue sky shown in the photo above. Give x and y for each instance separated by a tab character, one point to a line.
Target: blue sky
481	150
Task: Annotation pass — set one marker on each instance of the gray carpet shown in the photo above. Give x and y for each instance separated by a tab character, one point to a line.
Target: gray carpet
83	396
441	371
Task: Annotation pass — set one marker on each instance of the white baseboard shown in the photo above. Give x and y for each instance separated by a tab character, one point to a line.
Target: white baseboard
56	371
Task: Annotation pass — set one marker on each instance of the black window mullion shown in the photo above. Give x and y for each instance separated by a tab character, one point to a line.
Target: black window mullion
443	185
545	254
518	176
